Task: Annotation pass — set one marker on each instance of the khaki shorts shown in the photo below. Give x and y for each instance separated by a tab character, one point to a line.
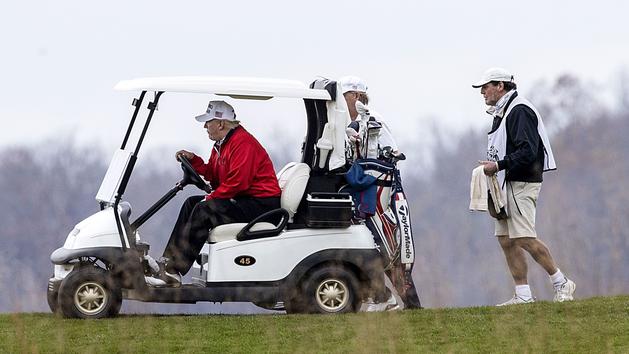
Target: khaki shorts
521	204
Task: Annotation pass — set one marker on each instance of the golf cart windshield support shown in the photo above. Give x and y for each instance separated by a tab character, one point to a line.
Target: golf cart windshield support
152	106
125	179
128	241
137	102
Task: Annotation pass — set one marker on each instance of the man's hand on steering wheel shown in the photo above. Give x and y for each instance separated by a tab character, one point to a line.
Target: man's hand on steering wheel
190	176
187	154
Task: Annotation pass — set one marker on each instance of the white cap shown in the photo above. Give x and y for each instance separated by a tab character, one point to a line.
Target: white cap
494	74
352	83
218	110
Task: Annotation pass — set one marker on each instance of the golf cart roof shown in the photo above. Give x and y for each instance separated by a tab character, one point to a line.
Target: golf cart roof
326	113
235	87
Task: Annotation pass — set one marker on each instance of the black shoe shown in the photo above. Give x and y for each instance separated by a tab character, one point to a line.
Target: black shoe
164	278
172	279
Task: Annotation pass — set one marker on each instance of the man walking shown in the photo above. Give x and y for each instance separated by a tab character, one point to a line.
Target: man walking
519	151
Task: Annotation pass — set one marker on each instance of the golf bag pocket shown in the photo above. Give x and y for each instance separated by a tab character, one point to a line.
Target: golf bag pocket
376	194
363	190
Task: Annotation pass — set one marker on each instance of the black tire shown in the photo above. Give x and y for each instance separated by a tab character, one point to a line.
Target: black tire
89	292
53	299
331	289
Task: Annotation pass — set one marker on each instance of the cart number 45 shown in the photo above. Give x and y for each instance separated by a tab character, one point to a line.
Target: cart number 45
245	261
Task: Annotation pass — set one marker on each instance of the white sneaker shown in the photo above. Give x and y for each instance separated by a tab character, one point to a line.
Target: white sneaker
392	304
376	307
154	282
279	306
372	306
515	300
389	305
564	291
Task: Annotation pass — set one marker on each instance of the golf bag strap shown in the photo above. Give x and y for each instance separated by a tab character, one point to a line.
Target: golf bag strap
384	183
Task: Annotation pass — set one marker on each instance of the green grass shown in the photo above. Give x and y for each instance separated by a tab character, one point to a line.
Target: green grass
586	326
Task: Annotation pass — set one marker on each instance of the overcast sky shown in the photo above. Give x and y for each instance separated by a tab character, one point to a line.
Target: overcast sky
61	59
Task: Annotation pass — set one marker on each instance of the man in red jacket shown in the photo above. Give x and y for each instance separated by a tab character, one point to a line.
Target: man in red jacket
244	182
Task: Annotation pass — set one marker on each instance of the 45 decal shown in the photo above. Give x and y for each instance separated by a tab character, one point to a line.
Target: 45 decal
245	261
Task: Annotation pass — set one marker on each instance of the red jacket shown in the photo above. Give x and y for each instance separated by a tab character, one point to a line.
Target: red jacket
238	167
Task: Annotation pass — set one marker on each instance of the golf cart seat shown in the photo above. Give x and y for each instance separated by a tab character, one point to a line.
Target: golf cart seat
292	180
230	231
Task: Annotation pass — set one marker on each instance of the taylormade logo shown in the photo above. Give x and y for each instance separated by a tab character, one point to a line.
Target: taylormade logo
406	229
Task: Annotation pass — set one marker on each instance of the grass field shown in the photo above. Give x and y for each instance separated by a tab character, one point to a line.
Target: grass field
587	326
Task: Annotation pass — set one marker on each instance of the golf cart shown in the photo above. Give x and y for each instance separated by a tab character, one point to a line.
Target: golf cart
314	260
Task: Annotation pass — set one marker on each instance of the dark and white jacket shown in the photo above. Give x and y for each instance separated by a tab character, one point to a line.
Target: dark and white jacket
519	143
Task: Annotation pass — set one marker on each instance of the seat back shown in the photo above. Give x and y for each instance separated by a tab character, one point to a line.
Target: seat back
293	179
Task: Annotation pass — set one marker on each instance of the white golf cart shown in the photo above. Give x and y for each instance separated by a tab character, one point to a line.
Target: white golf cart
313	260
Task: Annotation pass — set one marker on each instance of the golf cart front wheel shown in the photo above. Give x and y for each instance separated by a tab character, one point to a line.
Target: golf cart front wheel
332	289
89	293
52	296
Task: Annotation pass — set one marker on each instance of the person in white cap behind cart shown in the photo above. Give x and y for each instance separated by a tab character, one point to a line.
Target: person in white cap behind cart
354	90
245	186
519	151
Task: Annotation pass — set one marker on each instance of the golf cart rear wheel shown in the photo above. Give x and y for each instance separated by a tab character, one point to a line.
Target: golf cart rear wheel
331	289
89	292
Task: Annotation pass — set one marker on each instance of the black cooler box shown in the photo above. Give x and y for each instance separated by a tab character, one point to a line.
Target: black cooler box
329	210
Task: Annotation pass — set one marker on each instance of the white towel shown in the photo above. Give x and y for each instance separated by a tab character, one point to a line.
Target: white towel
478	190
479	185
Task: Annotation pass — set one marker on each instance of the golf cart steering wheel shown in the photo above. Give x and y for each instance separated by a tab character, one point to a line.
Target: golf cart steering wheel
190	176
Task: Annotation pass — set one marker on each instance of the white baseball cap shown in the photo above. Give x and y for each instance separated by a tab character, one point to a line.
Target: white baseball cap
218	110
494	74
352	83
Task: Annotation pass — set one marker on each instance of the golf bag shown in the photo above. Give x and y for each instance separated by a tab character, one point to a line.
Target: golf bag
390	223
